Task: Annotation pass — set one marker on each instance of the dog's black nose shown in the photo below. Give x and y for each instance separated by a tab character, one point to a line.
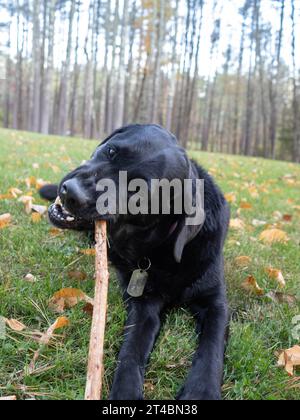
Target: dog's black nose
71	194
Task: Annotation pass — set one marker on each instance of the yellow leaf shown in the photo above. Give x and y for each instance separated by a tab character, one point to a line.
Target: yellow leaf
242	261
271	236
5	220
15	325
14	192
90	251
67	298
251	285
230	197
55	231
36	217
276	275
246	206
289	359
237	224
253	192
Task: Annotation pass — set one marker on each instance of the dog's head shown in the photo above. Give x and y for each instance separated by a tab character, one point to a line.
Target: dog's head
143	152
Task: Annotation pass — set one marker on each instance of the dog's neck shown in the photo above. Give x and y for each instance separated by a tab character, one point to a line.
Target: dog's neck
134	242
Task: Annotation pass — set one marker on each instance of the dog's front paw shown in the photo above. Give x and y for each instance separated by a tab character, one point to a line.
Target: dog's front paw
199	394
128	394
127	384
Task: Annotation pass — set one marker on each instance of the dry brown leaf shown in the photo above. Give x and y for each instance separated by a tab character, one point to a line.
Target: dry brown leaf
15	325
45	339
287	218
5	220
230	197
15	192
5	196
278	297
36	217
55	231
77	275
90	251
88	309
276	275
251	285
67	298
289	359
39	183
243	261
271	236
30	181
237	224
246	206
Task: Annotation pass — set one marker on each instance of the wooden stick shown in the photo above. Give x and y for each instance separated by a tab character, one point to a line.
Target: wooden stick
12	398
95	363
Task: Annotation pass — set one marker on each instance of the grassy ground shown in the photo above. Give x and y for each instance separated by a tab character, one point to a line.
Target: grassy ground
259	327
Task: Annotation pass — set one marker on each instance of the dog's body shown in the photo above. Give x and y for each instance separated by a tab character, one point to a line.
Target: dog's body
186	263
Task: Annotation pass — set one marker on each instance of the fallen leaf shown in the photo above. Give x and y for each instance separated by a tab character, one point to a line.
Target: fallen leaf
30	181
67	298
90	251
287	217
289	359
77	275
27	201
30	278
230	197
253	192
36	217
45	339
277	215
15	325
251	285
55	231
258	223
39	183
14	192
89	309
278	297
276	275
5	220
242	261
246	206
271	236
39	209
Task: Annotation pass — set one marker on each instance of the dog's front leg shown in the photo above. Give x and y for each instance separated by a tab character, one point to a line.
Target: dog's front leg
206	375
141	329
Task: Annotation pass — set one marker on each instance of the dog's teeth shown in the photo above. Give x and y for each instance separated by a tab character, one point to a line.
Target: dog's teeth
70	219
58	202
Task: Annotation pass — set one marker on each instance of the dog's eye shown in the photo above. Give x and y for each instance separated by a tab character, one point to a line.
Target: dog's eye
111	152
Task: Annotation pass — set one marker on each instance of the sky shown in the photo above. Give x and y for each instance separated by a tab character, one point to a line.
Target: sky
230	32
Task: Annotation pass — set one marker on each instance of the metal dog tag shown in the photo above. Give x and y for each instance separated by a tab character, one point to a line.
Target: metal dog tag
137	283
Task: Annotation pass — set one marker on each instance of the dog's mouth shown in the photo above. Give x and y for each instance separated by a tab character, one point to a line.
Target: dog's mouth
60	217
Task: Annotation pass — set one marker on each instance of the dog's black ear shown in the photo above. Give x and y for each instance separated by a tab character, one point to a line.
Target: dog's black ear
186	232
185	235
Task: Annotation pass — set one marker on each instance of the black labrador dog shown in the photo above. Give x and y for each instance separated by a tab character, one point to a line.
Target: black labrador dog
184	263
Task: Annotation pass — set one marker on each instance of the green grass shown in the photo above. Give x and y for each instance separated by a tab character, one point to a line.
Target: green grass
259	328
